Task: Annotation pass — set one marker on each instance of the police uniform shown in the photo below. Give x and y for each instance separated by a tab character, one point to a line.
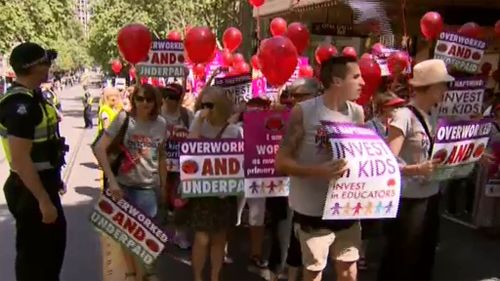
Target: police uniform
40	247
87	110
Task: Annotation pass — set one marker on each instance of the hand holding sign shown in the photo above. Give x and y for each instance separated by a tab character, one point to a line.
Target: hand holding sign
427	168
332	169
116	191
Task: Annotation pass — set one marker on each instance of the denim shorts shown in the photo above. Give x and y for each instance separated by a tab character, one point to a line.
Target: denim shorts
144	199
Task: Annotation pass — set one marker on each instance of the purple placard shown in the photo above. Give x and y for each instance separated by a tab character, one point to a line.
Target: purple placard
464	98
460	52
344	130
267	129
463	130
211	147
259	87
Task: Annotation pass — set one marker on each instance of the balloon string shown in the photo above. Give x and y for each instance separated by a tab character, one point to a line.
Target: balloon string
258	24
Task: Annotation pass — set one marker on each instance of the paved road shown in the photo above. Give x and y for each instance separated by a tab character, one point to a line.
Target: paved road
464	254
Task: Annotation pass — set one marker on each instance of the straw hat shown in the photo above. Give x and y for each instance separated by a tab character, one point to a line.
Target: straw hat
430	72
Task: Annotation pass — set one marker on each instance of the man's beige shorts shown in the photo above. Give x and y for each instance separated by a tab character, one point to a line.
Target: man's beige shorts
318	244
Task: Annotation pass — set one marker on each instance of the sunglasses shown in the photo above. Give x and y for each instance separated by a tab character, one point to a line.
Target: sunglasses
207	105
142	99
172	97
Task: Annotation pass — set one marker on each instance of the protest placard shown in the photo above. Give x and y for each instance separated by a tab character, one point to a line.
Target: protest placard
238	87
493	182
267	129
127	225
370	188
212	168
174	135
259	86
381	59
460	52
165	59
463	98
458	145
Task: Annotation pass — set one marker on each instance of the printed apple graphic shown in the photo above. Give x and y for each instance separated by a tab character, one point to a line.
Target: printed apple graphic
479	151
106	207
476	56
441	155
190	167
274	123
442	47
180	58
391	182
152	245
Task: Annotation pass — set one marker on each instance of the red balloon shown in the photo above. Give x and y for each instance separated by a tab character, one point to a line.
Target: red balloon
227	58
367	56
232	38
497	28
116	66
470	29
132	72
200	44
278	59
299	35
306	71
431	25
199	70
372	75
397	62
134	42
278	26
324	52
257	3
377	49
237	58
349	52
255	62
242	67
486	68
174	35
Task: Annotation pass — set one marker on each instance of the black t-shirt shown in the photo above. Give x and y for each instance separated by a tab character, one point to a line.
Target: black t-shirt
20	114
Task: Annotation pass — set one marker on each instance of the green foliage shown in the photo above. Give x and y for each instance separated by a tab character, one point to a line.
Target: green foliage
51	23
159	16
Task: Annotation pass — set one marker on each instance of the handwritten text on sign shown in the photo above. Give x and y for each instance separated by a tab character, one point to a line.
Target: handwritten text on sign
463	98
165	59
463	53
261	145
128	226
239	88
212	168
370	187
458	143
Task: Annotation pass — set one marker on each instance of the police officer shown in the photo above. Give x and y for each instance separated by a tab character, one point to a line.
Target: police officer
87	108
35	153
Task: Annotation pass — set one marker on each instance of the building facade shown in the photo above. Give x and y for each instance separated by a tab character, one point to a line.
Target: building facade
83	13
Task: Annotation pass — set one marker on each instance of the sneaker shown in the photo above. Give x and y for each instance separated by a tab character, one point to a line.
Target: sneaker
362	264
182	242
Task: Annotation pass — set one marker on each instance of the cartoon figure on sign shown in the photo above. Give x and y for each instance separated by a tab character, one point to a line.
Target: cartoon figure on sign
379	208
357	208
336	209
369	208
388	207
271	187
347	208
254	188
281	186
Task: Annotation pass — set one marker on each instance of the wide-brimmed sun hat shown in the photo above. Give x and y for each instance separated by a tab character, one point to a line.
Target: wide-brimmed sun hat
430	72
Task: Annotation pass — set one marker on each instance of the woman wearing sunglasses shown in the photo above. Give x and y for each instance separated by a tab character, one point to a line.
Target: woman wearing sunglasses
179	120
137	178
212	217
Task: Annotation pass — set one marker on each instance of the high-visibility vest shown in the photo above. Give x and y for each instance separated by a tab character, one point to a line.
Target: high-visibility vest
110	112
46	132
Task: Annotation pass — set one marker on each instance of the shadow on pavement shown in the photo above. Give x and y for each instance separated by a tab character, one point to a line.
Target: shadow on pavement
90	165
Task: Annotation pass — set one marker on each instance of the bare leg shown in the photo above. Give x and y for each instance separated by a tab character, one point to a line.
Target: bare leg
217	252
312	275
293	273
346	271
199	254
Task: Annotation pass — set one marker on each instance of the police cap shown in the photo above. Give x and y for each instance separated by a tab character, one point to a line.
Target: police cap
26	55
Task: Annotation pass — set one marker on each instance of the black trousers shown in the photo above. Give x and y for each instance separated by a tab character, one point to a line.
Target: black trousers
411	240
40	247
87	117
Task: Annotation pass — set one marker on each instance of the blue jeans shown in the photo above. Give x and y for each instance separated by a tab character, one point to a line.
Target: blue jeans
144	199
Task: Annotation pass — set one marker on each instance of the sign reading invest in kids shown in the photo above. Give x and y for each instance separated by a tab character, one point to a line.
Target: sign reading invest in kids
212	168
261	145
370	187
